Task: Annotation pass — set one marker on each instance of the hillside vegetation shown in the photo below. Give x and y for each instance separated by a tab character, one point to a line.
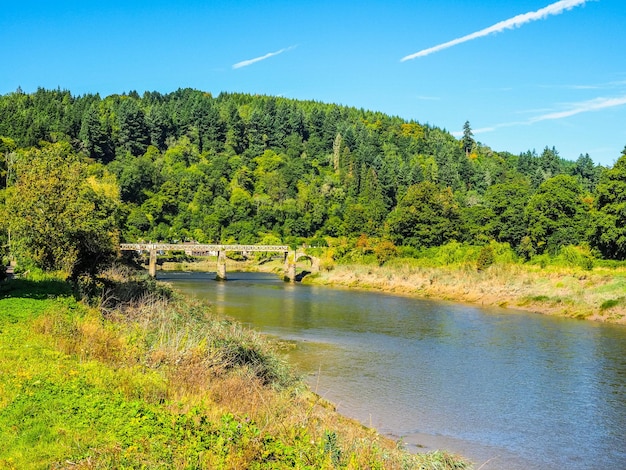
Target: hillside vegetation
244	168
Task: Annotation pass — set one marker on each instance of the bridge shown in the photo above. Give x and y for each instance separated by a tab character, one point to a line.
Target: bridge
290	255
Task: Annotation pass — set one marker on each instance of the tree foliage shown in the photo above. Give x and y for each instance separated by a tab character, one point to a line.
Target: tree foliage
557	215
609	233
61	211
426	216
239	167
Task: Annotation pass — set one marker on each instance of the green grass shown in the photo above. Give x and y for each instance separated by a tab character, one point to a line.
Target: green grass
159	383
608	304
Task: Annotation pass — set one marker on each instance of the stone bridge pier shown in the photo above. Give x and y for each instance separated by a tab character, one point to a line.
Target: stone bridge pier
220	273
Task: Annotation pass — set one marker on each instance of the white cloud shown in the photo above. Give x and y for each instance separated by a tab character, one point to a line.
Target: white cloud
582	107
515	22
596	104
245	63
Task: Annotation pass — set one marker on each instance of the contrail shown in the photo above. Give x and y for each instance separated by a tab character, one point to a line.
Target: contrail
515	22
595	104
245	63
584	107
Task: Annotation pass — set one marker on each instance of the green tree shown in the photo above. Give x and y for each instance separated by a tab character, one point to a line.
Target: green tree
94	140
557	215
549	163
62	212
7	160
507	202
609	234
468	141
134	135
586	172
426	216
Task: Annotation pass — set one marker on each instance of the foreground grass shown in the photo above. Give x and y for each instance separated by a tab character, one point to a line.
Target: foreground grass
151	381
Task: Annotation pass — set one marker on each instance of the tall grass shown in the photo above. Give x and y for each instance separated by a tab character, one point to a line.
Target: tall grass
148	380
573	283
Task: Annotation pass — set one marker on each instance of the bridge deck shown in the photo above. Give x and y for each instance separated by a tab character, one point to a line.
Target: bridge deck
200	247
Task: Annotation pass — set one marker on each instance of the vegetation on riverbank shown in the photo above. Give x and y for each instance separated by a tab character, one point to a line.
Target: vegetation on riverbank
143	378
244	168
571	283
566	285
564	292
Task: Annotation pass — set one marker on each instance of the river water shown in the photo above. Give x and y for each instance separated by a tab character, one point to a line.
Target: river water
509	390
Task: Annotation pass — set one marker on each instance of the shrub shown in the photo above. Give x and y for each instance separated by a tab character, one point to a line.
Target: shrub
384	251
327	263
486	258
576	256
526	248
318	242
607	304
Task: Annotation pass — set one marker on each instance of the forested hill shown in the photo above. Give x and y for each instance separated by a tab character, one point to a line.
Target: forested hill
244	168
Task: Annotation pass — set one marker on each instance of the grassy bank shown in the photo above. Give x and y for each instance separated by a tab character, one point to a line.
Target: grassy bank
141	378
598	294
574	290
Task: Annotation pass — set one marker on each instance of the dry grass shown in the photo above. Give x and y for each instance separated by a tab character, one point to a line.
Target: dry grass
571	292
175	351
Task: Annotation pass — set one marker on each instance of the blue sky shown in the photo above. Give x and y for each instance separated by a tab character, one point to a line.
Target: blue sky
526	74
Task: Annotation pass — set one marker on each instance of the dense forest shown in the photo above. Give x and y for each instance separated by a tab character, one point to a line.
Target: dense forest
244	168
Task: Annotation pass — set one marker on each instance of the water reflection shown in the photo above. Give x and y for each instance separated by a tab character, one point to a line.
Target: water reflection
527	391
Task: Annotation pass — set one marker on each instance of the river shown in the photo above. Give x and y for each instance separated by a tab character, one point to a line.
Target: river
510	390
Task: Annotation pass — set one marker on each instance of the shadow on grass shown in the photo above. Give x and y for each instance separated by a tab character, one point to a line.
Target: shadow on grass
30	289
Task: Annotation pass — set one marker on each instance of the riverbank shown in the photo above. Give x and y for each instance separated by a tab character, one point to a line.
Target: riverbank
148	379
597	295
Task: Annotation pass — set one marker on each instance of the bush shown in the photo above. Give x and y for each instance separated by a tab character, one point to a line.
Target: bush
327	263
384	251
607	304
576	256
526	248
318	243
486	258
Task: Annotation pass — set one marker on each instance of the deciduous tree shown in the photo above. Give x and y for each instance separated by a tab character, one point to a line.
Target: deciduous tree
556	214
426	216
62	212
609	234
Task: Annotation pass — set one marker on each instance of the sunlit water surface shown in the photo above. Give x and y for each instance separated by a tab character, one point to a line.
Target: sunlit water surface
510	390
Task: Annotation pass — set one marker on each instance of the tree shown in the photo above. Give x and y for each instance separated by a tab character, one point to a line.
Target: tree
609	234
549	162
586	172
62	212
507	202
468	139
7	160
426	216
134	135
95	141
557	215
